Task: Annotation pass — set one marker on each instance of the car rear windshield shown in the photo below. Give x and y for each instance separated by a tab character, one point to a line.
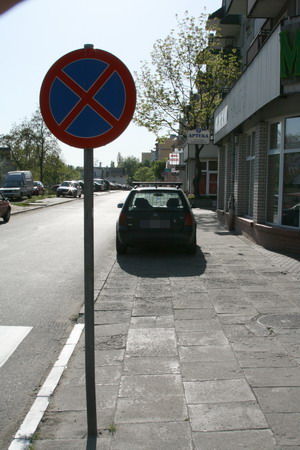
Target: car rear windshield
156	199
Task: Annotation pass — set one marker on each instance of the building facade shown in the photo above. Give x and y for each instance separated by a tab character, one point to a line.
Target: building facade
257	125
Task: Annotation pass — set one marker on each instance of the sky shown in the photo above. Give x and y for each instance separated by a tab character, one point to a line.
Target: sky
36	33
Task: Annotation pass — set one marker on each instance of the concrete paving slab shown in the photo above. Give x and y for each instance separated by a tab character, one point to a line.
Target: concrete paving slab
217	391
231	440
186	338
226	416
192	301
267	377
264	359
152	365
140	410
210	370
111	329
110	342
113	305
151	386
194	314
150	306
140	436
165	321
286	429
258	344
198	325
74	398
103	374
111	317
279	399
151	342
70	444
206	353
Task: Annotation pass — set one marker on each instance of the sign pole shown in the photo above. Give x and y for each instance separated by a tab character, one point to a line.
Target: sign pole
89	292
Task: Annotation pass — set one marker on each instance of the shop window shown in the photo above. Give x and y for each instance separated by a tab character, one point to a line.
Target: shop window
275	136
291	190
250	173
292	133
209	178
273	188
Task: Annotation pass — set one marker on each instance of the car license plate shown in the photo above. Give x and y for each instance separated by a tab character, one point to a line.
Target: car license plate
155	223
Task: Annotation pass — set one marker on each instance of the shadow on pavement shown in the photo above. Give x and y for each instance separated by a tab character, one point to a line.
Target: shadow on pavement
162	262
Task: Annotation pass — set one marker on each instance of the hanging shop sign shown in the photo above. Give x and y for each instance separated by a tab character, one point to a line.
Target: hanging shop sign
198	136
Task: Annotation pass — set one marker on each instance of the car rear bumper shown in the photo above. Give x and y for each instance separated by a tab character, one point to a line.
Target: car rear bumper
138	239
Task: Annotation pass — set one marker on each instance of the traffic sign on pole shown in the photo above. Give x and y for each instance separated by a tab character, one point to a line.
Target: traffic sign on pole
87	98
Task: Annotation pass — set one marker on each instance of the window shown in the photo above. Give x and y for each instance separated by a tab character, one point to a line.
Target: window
292	133
209	177
283	182
291	190
273	188
250	159
275	136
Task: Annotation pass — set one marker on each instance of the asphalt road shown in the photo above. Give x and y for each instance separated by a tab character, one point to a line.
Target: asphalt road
42	292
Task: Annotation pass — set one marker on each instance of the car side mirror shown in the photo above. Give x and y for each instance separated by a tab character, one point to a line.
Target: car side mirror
120	205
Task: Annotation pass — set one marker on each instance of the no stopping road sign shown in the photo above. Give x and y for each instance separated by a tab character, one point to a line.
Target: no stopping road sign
87	98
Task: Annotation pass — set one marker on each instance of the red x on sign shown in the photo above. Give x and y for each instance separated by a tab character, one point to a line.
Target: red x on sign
87	98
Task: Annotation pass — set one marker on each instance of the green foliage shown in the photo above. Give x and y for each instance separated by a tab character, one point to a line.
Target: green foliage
158	167
144	174
181	86
34	148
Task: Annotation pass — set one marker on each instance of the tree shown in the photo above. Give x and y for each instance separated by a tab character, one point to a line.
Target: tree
144	174
158	167
32	147
130	164
184	83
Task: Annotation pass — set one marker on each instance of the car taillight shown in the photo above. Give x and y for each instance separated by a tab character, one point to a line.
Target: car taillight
188	219
122	219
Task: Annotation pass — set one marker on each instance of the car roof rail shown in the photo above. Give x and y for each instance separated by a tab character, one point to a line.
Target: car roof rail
156	184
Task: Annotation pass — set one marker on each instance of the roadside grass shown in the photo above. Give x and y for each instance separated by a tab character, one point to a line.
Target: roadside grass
33	199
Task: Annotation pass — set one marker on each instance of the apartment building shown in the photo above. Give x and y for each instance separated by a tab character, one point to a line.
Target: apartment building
257	125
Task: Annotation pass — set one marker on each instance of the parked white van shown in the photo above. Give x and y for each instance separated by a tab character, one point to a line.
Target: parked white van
17	184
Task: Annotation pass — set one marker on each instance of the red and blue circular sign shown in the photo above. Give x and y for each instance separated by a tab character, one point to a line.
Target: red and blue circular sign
87	98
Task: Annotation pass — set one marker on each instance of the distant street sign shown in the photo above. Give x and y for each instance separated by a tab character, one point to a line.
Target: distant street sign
87	98
174	159
198	136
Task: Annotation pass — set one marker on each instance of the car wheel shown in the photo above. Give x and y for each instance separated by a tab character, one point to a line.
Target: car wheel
192	248
57	195
79	195
6	217
75	194
120	248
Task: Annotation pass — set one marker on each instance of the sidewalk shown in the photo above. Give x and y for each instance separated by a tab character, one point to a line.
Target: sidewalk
192	352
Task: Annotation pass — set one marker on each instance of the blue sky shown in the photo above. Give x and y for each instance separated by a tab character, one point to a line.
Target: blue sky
36	33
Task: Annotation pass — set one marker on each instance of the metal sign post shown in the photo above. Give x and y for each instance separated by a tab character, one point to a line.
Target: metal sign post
87	100
89	292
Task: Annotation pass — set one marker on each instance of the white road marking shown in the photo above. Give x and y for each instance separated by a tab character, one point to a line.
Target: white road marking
27	429
10	338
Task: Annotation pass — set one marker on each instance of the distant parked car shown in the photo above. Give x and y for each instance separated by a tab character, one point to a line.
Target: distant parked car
98	186
5	208
70	189
38	188
54	187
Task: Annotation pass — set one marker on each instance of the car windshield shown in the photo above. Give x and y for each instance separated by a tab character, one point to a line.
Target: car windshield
12	184
156	199
66	183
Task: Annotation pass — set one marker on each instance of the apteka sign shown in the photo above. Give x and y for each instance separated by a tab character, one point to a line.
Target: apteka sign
198	136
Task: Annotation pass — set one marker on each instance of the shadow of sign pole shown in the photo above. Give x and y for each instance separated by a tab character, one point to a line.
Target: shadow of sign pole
89	292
